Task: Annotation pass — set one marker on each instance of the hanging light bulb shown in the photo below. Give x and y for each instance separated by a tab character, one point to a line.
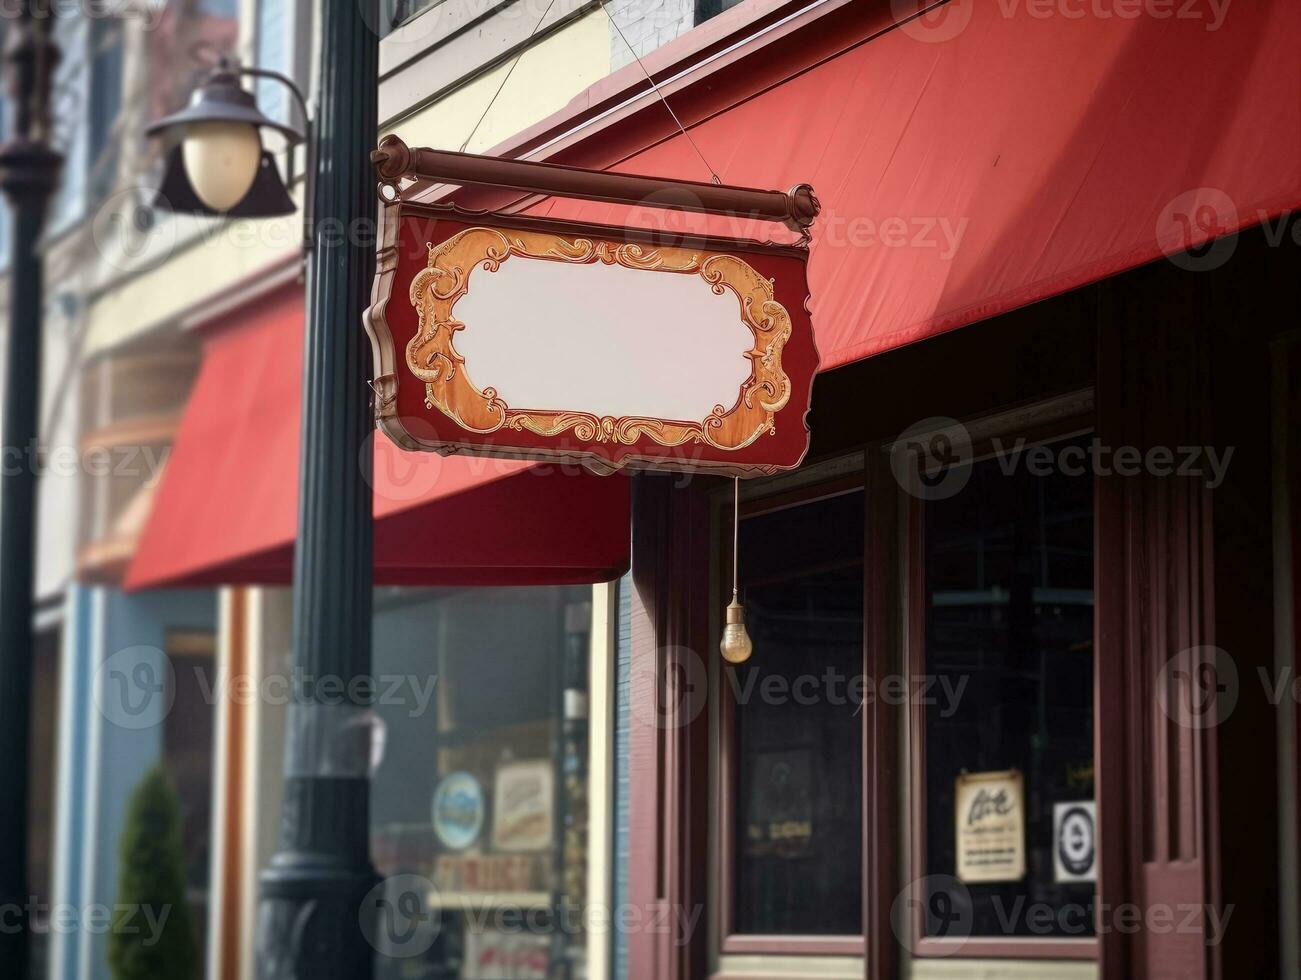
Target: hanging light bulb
735	645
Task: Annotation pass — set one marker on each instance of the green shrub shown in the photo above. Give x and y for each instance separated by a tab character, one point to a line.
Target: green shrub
152	937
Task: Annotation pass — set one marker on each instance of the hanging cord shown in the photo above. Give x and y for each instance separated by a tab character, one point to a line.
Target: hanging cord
636	57
736	531
510	71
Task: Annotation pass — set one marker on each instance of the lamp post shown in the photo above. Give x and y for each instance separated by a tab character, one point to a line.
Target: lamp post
310	911
310	908
29	172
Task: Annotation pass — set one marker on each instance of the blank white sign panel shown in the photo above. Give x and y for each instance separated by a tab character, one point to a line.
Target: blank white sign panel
552	336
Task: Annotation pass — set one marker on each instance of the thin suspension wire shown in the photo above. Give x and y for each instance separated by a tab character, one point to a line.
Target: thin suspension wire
736	530
510	71
633	51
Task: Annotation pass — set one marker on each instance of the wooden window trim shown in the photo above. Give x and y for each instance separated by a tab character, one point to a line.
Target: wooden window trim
1036	432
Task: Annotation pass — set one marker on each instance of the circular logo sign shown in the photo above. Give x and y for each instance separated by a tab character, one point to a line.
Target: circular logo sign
1075	841
458	811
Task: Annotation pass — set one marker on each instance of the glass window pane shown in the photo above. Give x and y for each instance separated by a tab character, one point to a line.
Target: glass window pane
798	793
1009	626
482	790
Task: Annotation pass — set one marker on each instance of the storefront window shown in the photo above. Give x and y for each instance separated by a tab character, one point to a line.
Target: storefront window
1008	760
706	9
482	788
797	724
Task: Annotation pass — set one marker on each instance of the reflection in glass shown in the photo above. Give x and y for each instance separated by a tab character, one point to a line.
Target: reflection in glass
1009	625
798	791
483	786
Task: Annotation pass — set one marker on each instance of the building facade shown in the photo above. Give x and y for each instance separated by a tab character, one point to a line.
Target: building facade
969	603
138	296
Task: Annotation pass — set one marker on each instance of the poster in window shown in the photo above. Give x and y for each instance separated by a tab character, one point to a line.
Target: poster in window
458	810
1075	848
990	826
779	814
494	955
523	806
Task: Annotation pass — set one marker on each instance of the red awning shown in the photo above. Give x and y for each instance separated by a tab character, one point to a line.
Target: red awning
991	153
226	511
976	159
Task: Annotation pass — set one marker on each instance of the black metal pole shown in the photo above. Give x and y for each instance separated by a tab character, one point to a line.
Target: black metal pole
28	175
309	918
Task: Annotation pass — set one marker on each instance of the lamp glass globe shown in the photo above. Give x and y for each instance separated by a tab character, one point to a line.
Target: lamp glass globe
222	160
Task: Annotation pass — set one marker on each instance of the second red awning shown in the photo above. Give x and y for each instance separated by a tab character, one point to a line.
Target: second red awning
226	511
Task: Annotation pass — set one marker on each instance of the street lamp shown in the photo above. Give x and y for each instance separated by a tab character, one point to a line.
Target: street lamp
218	165
316	894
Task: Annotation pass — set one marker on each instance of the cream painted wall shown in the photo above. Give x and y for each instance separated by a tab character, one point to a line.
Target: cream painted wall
185	263
547	77
194	262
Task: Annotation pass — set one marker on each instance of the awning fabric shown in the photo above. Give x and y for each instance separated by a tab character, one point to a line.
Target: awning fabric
226	510
992	153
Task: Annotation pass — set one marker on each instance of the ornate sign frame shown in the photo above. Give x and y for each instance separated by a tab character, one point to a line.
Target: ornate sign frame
426	397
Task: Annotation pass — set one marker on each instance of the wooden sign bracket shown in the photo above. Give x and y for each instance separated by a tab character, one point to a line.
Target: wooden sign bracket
796	209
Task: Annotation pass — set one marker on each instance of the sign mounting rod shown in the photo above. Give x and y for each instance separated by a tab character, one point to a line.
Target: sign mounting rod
796	208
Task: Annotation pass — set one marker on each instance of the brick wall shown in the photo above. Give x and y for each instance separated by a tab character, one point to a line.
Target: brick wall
646	24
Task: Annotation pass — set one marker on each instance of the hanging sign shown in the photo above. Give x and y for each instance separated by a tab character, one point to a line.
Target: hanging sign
519	337
989	811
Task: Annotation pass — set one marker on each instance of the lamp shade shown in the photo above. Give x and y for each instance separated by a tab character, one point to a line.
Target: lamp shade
218	166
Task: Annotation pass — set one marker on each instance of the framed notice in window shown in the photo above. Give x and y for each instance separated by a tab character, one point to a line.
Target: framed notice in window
523	807
989	812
